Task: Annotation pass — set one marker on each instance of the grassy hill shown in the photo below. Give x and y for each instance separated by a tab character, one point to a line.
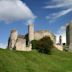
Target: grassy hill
13	61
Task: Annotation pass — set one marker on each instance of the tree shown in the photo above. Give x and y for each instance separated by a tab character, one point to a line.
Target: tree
43	45
34	44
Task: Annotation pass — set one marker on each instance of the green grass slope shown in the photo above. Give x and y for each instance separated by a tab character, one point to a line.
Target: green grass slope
13	61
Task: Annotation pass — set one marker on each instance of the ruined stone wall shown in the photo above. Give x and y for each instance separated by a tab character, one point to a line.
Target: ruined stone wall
21	45
59	47
29	48
69	36
17	42
12	39
40	34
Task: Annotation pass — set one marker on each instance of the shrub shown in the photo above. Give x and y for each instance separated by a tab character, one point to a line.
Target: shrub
34	44
43	45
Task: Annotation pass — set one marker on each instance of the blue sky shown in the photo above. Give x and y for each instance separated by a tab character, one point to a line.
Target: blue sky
51	15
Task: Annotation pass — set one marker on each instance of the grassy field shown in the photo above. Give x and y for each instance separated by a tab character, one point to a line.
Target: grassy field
13	61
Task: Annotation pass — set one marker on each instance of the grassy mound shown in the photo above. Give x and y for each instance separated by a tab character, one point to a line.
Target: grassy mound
13	61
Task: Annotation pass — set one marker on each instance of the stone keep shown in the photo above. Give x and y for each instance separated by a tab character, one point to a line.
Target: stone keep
69	36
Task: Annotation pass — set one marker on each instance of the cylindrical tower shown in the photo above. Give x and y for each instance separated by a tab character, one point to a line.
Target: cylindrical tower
31	32
13	38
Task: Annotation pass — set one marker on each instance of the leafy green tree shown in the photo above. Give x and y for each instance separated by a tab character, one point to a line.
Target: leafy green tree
43	45
34	44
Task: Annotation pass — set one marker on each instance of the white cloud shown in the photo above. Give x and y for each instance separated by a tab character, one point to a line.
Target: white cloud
62	13
13	10
57	15
60	3
3	45
66	6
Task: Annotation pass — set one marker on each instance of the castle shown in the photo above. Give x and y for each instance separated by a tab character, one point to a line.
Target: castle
23	42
